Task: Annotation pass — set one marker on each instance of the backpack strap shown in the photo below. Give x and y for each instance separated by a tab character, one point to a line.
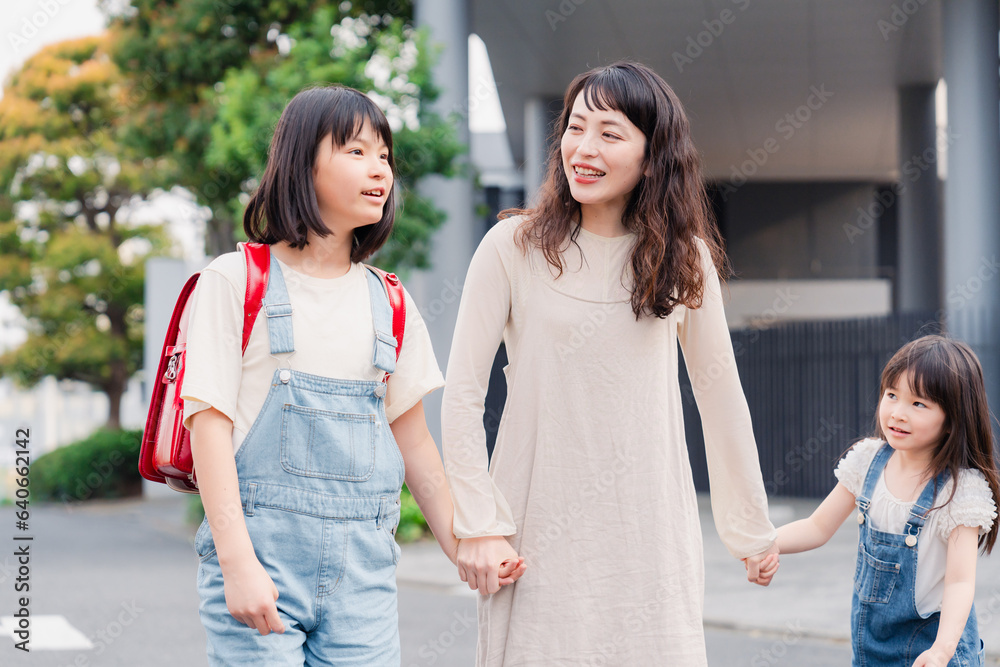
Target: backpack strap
258	257
397	300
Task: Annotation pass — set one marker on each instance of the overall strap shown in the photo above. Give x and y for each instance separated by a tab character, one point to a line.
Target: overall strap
922	507
278	310
384	354
874	472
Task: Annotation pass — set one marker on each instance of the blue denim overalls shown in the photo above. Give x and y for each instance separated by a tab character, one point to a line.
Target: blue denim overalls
886	628
319	476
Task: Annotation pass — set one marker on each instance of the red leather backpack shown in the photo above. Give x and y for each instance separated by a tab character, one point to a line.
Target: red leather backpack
165	453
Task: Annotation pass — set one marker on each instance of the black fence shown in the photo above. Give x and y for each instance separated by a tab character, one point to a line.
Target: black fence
812	388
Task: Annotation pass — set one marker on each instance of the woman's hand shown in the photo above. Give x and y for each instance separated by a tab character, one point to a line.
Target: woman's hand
488	562
251	596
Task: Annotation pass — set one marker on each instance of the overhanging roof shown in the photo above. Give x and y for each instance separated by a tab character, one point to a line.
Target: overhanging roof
737	73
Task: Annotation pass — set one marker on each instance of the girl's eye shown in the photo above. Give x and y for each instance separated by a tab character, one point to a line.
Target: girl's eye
889	394
574	128
608	135
919	404
355	151
384	156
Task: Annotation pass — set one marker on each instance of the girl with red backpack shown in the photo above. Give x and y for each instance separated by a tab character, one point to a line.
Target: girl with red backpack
301	443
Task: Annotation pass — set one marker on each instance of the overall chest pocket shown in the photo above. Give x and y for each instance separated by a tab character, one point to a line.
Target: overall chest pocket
874	579
326	444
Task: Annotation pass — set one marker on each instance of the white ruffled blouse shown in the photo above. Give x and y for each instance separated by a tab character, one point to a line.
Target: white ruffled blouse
973	505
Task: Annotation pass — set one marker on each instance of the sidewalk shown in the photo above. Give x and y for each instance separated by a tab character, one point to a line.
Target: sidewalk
809	598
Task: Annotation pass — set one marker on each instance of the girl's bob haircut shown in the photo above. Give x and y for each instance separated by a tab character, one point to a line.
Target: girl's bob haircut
947	372
283	208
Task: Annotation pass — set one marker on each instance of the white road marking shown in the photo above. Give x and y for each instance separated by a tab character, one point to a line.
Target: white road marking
48	633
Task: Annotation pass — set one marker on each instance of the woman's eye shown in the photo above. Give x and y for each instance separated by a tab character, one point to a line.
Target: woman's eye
889	394
919	404
608	135
573	128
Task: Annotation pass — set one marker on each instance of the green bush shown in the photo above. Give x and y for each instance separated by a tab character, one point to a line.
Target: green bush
412	525
104	465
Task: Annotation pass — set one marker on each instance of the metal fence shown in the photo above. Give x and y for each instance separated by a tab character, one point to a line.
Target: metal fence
812	388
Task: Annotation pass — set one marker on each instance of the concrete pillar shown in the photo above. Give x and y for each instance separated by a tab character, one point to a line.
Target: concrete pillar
165	277
540	117
437	291
972	205
536	133
919	207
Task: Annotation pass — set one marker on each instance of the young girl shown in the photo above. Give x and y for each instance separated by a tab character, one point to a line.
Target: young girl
300	443
920	528
591	292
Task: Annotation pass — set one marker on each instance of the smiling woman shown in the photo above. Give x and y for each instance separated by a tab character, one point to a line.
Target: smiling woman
591	292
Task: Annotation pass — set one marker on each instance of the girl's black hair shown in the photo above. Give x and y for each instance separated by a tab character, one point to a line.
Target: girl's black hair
947	372
284	208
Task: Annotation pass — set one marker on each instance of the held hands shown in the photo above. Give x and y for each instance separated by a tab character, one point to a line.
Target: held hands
251	596
487	563
762	567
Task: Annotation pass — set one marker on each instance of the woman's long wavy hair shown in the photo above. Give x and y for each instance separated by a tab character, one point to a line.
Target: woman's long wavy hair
948	373
668	210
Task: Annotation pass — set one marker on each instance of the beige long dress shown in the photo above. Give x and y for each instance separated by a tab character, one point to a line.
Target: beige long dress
590	476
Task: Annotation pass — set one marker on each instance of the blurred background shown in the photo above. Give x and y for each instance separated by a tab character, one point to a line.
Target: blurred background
851	151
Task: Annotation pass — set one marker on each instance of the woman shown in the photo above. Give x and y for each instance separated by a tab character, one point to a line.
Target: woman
590	481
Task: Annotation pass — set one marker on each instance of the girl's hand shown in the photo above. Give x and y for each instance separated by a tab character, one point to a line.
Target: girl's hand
480	560
511	570
768	568
251	596
754	564
933	657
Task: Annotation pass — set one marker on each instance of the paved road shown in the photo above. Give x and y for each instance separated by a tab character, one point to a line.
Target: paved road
122	574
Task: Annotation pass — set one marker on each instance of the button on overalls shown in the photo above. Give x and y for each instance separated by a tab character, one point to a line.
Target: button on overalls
886	628
319	476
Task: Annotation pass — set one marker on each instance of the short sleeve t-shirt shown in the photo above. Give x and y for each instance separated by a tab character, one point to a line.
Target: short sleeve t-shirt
333	333
972	505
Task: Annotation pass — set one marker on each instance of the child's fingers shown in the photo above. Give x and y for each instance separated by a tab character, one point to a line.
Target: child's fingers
272	622
514	574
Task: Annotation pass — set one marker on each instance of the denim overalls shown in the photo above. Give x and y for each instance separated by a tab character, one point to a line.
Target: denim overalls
319	476
886	628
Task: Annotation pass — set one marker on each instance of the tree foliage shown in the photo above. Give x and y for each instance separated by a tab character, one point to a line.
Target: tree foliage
228	67
69	261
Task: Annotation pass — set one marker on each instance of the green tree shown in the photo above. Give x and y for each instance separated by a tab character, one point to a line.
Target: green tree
226	68
68	259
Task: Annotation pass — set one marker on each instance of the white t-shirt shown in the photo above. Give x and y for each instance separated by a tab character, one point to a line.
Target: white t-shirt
333	333
972	505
